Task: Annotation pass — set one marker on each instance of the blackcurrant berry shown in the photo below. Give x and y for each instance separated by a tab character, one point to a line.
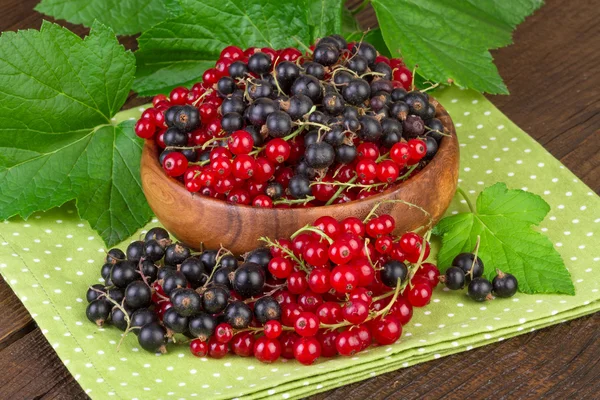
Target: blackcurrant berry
259	88
174	281
106	269
94	292
267	309
382	85
384	69
345	153
233	105
318	117
150	270
135	251
314	69
429	113
170	115
117	317
380	100
274	190
504	284
311	137
153	250
370	129
138	295
259	63
365	50
470	268
258	111
309	86
123	273
398	94
165	271
174	322
392	272
432	148
202	326
176	253
333	103
326	54
249	280
454	278
209	259
98	311
157	233
141	317
193	270
417	103
358	64
260	256
319	155
299	187
480	289
238	69
335	136
214	299
152	338
279	124
256	137
303	169
351	124
238	314
399	110
114	255
223	277
436	129
187	119
357	91
343	78
186	302
390	138
286	73
232	122
389	125
412	127
225	86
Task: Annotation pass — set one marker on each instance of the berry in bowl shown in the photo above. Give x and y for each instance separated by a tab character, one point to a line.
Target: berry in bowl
271	140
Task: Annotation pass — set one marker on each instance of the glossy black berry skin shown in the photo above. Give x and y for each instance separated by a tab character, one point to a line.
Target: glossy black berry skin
232	122
98	311
326	54
174	281
94	292
480	289
157	233
214	299
170	115
174	137
365	50
392	272
226	85
117	317
309	86
454	279
186	302
135	251
153	250
174	322
232	104
165	271
432	148
436	129
238	69
465	262
399	110
114	255
187	118
138	295
258	111
370	128
413	126
223	277
176	253
259	63
319	155
123	273
314	69
504	285
150	270
286	73
274	190
345	153
238	314
209	259
202	326
417	103
249	280
279	124
383	69
298	106
260	256
142	317
299	187
358	64
333	103
357	91
105	270
193	270
267	309
152	338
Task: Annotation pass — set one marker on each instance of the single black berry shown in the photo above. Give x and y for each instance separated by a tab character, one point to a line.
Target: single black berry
209	259
214	299
259	63
238	314
319	155
232	122
135	251
370	129
118	317
357	91
274	190
299	186
94	292
399	110
454	278
267	309
333	103
260	256
170	115
186	302
114	255
480	289
436	129
417	103
345	153
202	326
223	277
358	64
504	284
384	70
249	280
259	88
138	295
193	270
259	110
98	311
123	273
141	317
399	94
233	104
228	261
238	69
152	338
105	270
165	271
174	281
303	169
309	86
412	127
226	85
286	73
176	253
153	250
365	50
326	54
157	233
314	69
279	124
187	118
174	322
393	272
150	270
470	268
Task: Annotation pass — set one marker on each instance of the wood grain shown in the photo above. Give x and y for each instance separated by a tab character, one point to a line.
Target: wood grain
552	73
196	219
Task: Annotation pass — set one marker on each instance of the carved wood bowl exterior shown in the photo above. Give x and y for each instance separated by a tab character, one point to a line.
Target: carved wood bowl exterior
194	219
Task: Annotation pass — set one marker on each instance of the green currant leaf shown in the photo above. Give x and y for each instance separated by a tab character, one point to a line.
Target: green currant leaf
58	140
177	52
125	17
503	221
450	39
325	16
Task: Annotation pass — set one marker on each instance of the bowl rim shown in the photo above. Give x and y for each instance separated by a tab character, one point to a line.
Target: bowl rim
151	147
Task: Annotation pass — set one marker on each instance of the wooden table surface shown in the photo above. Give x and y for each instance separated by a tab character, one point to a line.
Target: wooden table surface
553	74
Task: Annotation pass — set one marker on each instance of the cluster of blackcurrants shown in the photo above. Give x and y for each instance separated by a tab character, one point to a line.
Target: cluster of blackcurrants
467	268
281	128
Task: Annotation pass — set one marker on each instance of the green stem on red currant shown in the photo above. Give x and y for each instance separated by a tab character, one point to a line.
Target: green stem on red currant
340	190
295	201
287	251
311	228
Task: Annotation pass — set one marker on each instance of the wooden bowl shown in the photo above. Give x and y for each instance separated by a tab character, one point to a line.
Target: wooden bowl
196	219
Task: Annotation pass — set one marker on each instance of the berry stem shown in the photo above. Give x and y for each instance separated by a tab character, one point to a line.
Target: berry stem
120	307
475	252
466	197
312	229
290	253
411	205
340	190
295	201
220	254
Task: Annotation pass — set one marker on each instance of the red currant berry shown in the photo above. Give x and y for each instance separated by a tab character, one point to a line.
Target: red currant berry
145	128
384	244
219	152
300	242
199	348
221	166
367	151
353	225
284	297
262	201
410	243
175	164
355	311
232	52
364	271
330	312
264	170
404	76
273	329
340	252
179	96
315	253
400	153
324	191
290	313
267	350
389	223
387	171
343	278
210	76
419	294
328	340
307	324
216	349
430	272
242	344
318	280
402	310
397	253
240	142
277	150
386	330
416	150
224	185
329	225
364	335
376	227
290	54
347	343
307	350
158	98
256	188
297	282
208	112
366	170
223	333
238	196
280	267
243	166
287	340
362	294
309	301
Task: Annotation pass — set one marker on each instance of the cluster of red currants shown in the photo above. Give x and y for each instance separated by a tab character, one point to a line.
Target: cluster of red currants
278	128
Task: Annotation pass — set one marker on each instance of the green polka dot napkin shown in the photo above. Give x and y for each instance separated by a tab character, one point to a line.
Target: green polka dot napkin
50	259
